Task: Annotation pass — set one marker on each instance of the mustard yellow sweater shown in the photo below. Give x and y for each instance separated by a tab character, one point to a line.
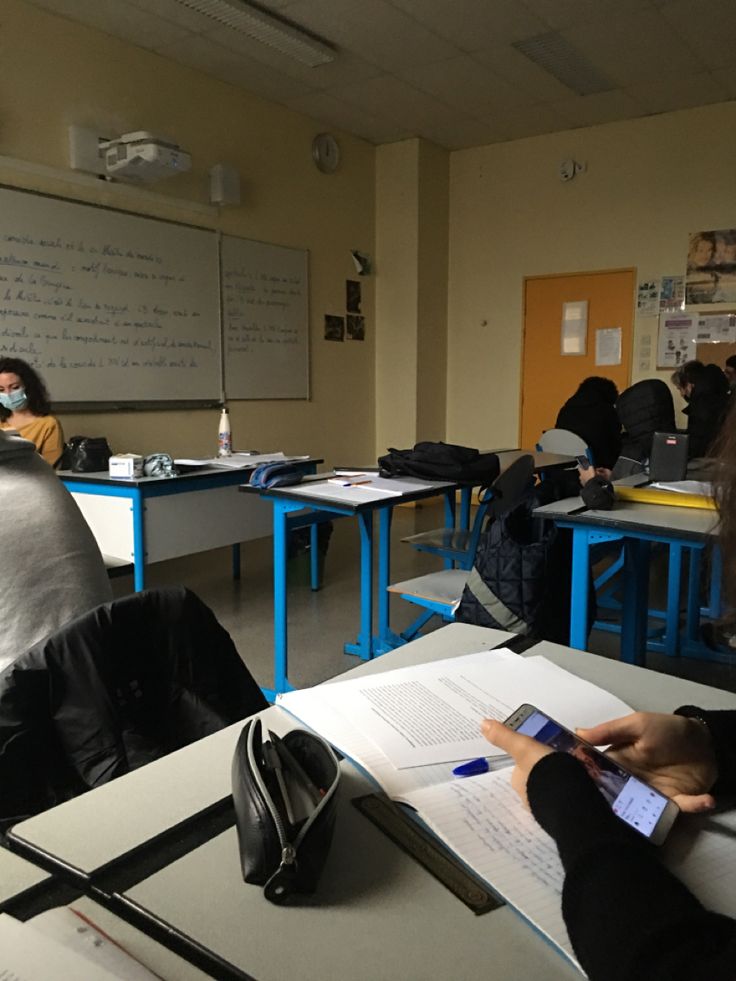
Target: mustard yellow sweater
46	434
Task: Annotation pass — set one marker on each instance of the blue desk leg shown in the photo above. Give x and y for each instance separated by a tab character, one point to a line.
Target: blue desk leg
672	616
236	560
692	622
386	639
580	585
713	610
314	558
363	647
466	494
280	664
139	541
636	601
450	515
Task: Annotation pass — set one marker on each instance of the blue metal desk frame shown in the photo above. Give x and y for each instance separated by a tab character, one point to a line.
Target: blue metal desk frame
286	505
138	490
636	541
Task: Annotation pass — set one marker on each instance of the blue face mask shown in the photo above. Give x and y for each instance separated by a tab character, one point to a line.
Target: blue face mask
13	400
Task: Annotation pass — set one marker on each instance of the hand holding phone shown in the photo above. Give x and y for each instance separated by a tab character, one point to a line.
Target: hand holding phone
583	462
642	807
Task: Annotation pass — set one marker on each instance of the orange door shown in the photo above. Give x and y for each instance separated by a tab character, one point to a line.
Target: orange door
549	378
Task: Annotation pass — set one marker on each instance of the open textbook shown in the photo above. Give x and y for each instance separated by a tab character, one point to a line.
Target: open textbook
383	722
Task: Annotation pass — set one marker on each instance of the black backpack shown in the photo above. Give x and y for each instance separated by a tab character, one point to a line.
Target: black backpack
441	461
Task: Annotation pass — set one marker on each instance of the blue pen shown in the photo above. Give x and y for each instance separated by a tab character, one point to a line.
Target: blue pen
472	768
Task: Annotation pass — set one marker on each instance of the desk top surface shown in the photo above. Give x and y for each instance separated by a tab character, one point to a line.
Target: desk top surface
542	461
654	519
17	875
236	475
318	492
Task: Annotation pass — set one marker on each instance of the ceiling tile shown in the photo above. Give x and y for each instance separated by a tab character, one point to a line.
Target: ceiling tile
634	50
345	68
560	14
375	31
603	107
710	29
512	66
472	24
465	84
206	56
726	77
333	112
457	134
172	11
678	91
527	121
391	98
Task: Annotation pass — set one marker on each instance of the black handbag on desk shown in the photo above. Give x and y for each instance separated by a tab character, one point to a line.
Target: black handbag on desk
86	454
284	794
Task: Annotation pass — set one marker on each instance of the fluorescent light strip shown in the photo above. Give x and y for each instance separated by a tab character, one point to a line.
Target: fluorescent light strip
556	55
260	26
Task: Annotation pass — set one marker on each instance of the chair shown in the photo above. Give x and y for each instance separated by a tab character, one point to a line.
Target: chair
439	592
563	441
122	685
456	546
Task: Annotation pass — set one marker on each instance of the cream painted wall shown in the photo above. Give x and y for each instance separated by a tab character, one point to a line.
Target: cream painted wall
649	182
397	281
56	73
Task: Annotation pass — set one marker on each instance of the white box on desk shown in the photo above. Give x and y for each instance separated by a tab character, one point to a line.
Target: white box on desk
126	465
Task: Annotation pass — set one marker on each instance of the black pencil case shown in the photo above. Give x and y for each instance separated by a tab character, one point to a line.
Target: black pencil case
284	793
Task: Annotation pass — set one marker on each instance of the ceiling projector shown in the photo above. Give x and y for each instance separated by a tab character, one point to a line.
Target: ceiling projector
143	158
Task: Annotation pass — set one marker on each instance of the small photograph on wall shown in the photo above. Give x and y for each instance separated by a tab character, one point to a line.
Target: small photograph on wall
356	328
352	296
711	267
334	328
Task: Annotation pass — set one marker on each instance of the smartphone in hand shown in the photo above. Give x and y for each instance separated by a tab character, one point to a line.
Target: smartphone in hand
642	807
583	462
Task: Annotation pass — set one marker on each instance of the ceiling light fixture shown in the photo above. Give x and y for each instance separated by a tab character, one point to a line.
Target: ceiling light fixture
556	55
261	26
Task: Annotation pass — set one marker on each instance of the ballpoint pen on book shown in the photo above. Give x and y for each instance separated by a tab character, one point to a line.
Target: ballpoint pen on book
472	768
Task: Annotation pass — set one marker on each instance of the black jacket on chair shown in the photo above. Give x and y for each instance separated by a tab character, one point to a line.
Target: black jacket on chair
122	685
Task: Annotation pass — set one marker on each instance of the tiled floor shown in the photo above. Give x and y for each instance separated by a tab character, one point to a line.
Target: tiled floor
320	623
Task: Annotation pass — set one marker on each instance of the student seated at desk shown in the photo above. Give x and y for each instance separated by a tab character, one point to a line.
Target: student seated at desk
591	415
627	916
644	409
25	408
52	567
705	389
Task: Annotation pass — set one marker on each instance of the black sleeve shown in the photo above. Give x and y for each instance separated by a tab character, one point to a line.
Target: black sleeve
628	918
722	727
598	494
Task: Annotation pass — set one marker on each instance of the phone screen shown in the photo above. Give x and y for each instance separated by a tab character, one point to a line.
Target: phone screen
583	462
633	801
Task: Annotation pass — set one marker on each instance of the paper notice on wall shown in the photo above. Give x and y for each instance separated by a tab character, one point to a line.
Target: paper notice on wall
646	301
676	341
716	328
608	345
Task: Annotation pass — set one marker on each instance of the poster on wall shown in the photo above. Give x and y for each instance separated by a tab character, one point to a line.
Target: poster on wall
711	267
716	329
676	340
647	296
672	293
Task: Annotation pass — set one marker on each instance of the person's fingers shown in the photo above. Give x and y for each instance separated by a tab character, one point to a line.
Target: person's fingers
506	739
617	732
518	783
694	803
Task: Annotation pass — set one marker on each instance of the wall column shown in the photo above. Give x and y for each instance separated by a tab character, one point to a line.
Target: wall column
411	292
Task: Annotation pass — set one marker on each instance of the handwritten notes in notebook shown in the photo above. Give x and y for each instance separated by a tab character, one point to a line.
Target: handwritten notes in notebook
482	820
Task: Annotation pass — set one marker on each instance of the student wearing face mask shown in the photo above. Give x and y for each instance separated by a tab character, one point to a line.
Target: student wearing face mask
25	408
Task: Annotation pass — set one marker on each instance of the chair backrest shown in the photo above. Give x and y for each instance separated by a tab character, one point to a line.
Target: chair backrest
511	485
562	441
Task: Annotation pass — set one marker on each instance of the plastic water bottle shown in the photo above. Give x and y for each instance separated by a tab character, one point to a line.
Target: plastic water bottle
224	435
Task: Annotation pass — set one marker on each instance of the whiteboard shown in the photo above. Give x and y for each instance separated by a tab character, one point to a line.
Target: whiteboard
265	306
109	307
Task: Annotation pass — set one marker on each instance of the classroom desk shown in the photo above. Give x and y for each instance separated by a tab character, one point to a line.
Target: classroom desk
635	525
149	519
324	500
377	913
18	876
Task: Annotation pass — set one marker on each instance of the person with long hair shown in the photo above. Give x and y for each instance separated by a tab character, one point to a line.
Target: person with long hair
25	407
627	916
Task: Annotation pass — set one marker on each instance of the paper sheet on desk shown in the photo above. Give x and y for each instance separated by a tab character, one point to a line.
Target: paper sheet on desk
701	488
431	713
239	461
